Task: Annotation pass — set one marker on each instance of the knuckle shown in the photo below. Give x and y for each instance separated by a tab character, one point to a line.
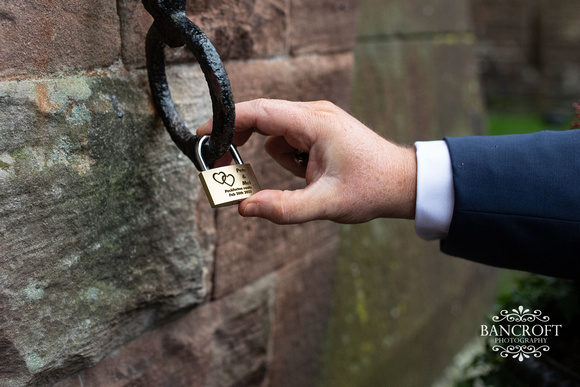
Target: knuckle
325	110
262	104
285	215
324	105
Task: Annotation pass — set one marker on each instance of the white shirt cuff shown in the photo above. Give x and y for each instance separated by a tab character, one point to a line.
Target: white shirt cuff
435	195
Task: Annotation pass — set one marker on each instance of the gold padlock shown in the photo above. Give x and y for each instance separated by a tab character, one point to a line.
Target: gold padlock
227	185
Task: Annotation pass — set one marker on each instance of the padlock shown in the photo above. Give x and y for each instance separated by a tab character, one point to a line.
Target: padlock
227	185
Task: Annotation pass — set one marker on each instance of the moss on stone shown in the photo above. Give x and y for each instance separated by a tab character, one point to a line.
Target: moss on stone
101	217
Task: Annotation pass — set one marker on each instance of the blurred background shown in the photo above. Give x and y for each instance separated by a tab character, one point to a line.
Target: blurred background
528	61
424	70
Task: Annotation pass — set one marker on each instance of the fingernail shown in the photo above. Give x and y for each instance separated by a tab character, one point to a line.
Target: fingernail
252	209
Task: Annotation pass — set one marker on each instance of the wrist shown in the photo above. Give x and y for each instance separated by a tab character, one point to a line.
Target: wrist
408	183
396	191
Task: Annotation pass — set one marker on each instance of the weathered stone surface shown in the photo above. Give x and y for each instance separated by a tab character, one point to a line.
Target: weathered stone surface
105	212
377	18
47	36
104	232
238	29
224	343
305	78
255	243
244	29
418	90
262	334
402	309
104	228
98	214
304	293
249	249
322	26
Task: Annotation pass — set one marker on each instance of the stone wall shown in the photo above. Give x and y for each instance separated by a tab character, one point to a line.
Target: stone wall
114	271
529	53
403	309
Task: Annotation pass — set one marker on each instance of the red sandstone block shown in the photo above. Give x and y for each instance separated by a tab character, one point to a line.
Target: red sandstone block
47	36
305	78
238	29
223	343
250	248
322	26
271	332
243	29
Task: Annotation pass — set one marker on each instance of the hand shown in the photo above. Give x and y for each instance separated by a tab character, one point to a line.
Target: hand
353	175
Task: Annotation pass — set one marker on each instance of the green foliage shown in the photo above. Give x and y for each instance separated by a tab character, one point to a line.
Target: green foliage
499	124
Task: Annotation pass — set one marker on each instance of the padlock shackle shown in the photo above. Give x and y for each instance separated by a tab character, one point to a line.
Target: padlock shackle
199	153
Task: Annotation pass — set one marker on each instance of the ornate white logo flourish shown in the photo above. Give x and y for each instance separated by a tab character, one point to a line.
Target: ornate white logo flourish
520	351
520	315
525	333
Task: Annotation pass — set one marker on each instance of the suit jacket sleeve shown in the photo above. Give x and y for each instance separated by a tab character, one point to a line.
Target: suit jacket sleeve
517	201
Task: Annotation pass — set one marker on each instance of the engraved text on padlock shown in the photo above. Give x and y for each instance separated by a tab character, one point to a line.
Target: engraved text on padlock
230	184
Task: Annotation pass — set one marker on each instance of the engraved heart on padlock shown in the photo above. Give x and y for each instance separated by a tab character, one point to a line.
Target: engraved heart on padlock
222	178
219	177
230	180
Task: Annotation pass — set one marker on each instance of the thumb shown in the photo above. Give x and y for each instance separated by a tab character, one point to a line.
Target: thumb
282	207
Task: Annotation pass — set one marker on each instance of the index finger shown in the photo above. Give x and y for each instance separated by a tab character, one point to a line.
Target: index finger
291	120
298	122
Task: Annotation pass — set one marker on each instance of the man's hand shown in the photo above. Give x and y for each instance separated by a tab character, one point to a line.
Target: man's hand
353	175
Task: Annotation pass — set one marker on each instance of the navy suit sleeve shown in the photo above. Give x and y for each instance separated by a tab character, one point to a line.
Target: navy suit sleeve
517	201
